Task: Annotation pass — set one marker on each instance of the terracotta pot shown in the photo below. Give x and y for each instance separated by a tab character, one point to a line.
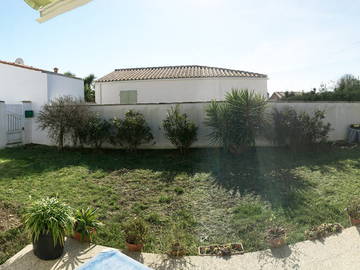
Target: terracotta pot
276	243
354	221
134	247
177	251
77	236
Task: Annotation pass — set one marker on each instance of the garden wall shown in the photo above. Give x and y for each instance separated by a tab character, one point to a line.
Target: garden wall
339	114
2	125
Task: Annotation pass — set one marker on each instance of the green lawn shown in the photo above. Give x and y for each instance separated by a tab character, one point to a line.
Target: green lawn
205	197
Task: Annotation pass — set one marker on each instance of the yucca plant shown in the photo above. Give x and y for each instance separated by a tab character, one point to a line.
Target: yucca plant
86	223
48	221
236	121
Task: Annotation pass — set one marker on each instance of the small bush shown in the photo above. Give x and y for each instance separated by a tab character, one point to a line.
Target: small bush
180	131
297	130
98	131
132	131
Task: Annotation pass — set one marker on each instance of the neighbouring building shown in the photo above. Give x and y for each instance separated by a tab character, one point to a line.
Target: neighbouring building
276	96
23	91
19	82
174	84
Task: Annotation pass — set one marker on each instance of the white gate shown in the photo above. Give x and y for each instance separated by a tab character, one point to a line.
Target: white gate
15	124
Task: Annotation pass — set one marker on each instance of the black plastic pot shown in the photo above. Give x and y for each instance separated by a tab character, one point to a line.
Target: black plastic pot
44	248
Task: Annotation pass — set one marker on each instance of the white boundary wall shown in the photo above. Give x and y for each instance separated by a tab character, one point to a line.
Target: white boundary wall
3	127
339	114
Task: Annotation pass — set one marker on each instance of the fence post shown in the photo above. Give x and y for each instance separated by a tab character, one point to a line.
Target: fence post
3	127
28	122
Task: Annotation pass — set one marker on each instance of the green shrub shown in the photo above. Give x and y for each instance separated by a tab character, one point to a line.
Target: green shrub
49	216
98	131
62	117
179	130
132	131
236	122
299	129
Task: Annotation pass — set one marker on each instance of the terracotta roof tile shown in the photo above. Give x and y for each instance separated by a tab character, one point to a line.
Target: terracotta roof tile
175	72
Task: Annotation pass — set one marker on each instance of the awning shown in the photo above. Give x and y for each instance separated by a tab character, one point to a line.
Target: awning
50	8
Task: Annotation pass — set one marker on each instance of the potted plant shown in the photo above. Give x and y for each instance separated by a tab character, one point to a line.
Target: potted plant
276	236
135	231
177	250
353	211
86	224
48	221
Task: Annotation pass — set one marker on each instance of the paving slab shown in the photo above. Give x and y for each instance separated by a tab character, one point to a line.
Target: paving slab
335	252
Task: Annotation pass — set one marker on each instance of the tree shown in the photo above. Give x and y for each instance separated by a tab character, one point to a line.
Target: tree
236	122
180	131
58	118
69	74
89	88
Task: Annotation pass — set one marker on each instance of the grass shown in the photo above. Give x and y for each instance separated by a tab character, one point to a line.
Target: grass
205	197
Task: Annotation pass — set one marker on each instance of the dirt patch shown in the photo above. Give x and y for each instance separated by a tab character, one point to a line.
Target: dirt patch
8	218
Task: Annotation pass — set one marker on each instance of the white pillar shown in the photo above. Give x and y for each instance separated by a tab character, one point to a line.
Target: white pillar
3	127
28	122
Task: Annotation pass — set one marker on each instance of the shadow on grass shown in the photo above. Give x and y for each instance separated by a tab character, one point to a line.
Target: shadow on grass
268	172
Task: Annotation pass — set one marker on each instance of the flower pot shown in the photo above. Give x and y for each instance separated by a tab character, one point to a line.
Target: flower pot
277	242
134	247
354	221
177	251
45	249
77	236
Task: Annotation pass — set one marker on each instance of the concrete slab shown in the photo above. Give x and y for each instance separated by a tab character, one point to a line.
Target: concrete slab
335	252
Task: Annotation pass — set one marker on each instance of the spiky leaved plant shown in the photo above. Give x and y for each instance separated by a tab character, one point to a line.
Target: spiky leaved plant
236	121
86	222
49	216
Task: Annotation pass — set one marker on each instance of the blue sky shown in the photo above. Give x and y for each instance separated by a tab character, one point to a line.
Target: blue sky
298	43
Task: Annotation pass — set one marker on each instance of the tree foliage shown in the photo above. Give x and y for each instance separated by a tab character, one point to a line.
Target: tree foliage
299	130
89	91
180	131
346	89
236	122
132	131
59	118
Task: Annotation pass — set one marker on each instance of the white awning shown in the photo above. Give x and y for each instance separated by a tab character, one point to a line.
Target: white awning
50	8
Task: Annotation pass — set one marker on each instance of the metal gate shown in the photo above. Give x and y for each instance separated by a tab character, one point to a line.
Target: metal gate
15	124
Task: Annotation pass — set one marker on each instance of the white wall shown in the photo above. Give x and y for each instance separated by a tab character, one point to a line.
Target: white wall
177	90
2	125
59	85
340	115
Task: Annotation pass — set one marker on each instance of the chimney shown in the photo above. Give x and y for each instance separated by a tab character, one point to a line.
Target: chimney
56	70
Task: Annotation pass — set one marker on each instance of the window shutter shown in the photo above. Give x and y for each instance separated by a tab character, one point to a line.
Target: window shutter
128	97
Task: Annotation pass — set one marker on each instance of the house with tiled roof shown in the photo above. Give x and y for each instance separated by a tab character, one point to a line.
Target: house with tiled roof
20	82
171	84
